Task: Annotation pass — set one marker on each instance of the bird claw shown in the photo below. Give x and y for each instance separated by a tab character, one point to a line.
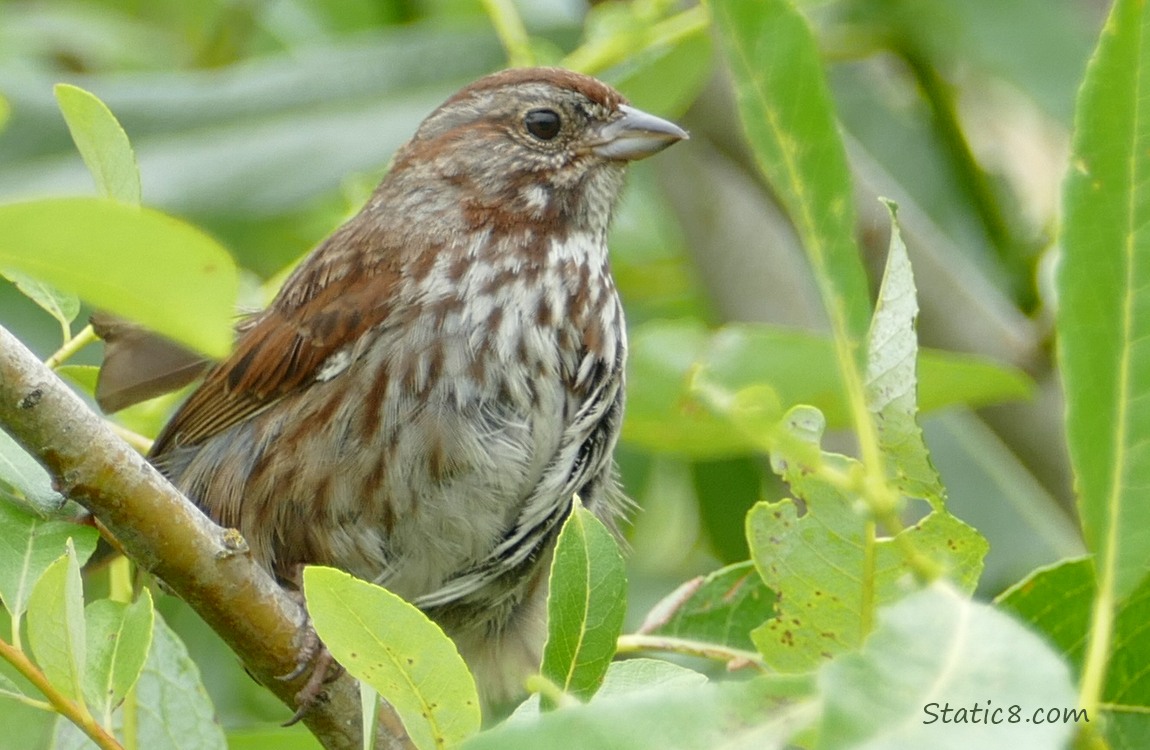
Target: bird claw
324	669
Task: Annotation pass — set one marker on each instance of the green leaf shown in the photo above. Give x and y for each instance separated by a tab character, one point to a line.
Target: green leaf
936	649
5	112
1056	601
623	678
100	250
10	689
84	376
28	546
787	114
818	565
798	366
291	738
172	707
761	714
660	416
56	624
294	737
722	608
60	305
891	381
391	645
119	637
102	143
727	489
24	474
633	675
1103	288
585	605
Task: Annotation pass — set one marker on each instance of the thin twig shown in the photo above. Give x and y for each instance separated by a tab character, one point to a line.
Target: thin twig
734	658
71	346
62	704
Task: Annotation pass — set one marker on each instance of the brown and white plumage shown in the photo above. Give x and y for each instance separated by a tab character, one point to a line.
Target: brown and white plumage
436	380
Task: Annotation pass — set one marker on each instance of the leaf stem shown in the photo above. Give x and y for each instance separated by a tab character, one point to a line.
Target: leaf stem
63	705
599	54
30	702
867	579
733	657
550	691
1098	644
512	33
70	347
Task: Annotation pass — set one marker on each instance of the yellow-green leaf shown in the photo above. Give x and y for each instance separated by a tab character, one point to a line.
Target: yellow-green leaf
134	262
102	143
392	646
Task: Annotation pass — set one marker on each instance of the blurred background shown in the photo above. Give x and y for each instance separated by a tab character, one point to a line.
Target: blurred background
267	122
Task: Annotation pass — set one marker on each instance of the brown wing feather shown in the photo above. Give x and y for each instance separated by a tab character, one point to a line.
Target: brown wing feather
319	311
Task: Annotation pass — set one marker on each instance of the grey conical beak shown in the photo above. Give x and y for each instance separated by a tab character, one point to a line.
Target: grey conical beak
636	135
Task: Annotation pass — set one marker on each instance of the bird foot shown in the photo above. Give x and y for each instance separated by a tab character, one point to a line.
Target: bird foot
312	655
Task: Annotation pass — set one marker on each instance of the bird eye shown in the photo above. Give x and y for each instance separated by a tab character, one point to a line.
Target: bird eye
542	123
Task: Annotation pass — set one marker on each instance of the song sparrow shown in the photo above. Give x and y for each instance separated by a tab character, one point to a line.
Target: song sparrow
439	377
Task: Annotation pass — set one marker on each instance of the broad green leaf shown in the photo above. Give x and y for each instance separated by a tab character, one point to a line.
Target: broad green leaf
1056	601
172	707
816	563
827	578
762	714
391	645
937	649
28	546
135	262
727	489
789	120
24	474
102	142
891	381
623	678
56	625
118	639
60	305
798	366
585	605
632	675
660	415
1104	290
722	608
279	738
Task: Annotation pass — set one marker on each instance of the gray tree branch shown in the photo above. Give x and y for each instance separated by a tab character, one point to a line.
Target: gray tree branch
162	531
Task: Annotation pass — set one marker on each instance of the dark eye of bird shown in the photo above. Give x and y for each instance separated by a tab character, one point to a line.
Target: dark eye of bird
542	123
